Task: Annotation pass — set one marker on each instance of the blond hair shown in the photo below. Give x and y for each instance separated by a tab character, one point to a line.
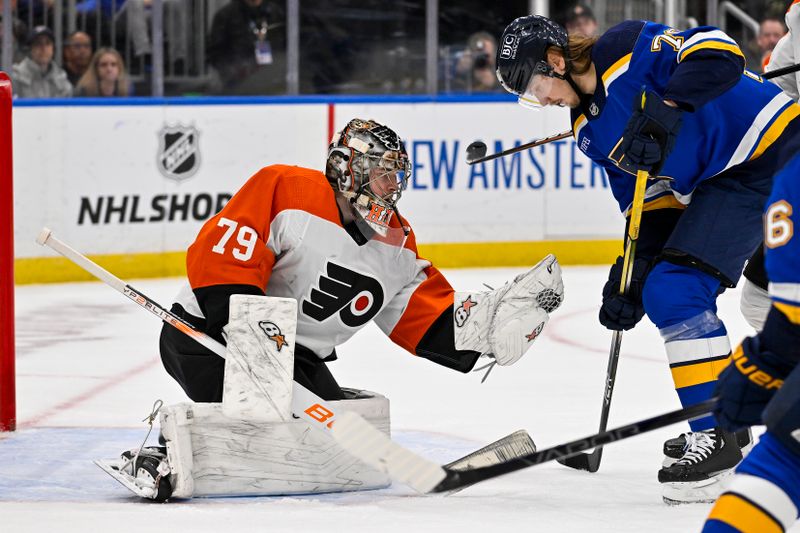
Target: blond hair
89	84
579	52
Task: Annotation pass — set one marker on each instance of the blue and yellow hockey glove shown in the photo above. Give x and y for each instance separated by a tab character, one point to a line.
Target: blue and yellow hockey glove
747	385
622	312
650	134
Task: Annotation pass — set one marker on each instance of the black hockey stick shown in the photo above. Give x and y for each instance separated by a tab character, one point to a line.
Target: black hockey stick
591	461
375	448
455	479
476	152
781	71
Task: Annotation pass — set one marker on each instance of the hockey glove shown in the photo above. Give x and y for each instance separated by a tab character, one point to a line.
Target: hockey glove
650	134
622	312
747	385
504	322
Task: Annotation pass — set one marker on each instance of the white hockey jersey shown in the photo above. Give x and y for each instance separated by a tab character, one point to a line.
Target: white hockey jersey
787	53
282	234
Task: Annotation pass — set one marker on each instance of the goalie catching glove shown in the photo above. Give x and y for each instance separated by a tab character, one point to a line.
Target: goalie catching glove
504	322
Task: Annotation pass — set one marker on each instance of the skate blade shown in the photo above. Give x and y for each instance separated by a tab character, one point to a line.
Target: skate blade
705	491
112	468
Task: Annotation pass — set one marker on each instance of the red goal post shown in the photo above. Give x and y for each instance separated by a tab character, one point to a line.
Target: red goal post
8	404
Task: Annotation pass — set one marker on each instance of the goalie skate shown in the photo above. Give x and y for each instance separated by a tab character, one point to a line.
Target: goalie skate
151	479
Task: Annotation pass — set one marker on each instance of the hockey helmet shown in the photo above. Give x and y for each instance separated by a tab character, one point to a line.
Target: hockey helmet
368	163
522	66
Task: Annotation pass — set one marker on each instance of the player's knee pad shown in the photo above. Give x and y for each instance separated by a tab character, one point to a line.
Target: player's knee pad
674	293
782	414
210	454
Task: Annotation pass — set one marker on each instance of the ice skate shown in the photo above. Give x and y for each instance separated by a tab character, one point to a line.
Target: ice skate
151	477
696	477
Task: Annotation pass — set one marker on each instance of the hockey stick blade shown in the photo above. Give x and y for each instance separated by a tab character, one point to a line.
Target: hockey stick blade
475	151
375	448
457	479
590	462
509	447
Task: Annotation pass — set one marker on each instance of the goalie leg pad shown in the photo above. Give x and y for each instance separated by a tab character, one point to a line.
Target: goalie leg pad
213	455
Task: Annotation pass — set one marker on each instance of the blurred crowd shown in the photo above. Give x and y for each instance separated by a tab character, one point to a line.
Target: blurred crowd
237	47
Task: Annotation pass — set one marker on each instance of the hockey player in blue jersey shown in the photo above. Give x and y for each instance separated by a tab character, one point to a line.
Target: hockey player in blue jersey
680	105
762	385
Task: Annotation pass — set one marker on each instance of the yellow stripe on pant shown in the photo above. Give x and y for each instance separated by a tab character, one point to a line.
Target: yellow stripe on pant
700	372
739	513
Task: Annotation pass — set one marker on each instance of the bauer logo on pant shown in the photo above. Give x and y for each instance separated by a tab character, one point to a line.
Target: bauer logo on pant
178	153
462	313
273	333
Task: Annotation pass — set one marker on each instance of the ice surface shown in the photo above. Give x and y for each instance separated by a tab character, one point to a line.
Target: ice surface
88	372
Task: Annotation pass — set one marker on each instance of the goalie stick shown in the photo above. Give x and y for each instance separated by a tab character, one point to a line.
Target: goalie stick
359	438
781	71
305	404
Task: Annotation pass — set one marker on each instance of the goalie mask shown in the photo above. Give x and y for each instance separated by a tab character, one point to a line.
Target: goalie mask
368	164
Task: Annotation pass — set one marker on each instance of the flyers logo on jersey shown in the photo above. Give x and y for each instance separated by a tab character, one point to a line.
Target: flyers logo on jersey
355	297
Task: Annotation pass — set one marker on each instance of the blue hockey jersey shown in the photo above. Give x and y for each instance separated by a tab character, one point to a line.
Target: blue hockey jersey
732	115
783	247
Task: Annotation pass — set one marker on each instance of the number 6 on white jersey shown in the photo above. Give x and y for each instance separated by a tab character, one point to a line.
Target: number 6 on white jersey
246	237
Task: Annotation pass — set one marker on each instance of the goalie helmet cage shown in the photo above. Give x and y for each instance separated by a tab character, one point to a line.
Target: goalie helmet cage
8	407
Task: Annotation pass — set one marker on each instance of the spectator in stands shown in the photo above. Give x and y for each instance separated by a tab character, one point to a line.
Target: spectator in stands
77	54
580	19
770	31
38	76
475	67
242	44
176	21
19	34
105	76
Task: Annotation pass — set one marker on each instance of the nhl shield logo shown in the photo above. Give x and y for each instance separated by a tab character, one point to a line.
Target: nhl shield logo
178	153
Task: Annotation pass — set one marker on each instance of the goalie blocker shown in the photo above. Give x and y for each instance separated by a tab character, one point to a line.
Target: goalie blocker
250	444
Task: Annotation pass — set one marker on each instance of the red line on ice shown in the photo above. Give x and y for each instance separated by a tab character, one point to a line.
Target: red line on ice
107	384
553	333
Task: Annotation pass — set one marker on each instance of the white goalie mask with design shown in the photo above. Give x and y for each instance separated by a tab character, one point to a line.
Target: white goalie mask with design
368	164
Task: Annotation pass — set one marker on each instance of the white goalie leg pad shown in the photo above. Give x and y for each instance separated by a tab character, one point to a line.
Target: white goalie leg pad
504	322
213	455
259	363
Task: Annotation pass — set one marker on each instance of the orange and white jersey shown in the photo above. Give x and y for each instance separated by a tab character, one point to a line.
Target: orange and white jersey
787	53
281	234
